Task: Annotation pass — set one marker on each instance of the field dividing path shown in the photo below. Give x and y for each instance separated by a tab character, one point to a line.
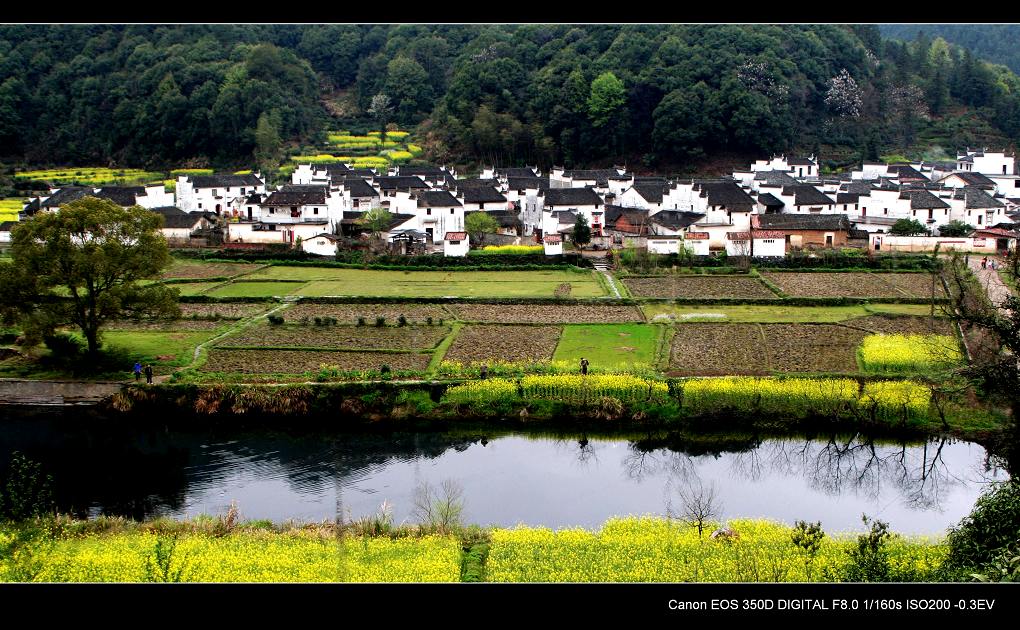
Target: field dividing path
990	280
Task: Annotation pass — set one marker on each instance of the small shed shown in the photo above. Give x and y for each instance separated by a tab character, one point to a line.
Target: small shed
553	244
321	244
697	243
664	245
456	244
738	243
769	243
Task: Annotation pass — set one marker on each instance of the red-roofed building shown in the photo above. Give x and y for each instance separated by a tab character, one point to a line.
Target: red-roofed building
456	244
553	244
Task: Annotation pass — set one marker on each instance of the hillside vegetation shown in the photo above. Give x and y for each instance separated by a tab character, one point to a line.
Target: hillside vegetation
655	96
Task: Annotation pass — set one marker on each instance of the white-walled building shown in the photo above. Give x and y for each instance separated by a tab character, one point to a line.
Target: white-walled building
664	245
438	213
557	203
697	243
553	244
216	193
456	244
302	204
321	244
986	162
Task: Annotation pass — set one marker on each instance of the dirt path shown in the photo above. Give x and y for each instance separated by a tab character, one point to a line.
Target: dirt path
989	278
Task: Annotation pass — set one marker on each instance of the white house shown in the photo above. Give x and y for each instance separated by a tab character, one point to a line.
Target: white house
697	243
178	226
455	244
482	198
663	245
216	193
768	243
558	202
738	243
321	244
986	162
5	231
302	204
797	167
553	244
438	212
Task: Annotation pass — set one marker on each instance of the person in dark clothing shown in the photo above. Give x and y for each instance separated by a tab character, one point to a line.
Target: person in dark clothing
148	374
138	371
484	371
584	366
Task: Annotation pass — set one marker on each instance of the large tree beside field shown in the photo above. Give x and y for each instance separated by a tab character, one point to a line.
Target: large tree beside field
83	266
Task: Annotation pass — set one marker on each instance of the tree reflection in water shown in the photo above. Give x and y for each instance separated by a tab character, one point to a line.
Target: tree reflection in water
835	466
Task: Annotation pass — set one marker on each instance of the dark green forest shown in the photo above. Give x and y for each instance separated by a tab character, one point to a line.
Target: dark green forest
652	96
997	43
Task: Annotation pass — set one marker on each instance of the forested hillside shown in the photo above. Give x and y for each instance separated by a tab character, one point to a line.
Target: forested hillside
996	43
652	96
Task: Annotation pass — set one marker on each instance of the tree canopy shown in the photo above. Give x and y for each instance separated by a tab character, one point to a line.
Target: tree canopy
582	231
477	224
84	266
907	227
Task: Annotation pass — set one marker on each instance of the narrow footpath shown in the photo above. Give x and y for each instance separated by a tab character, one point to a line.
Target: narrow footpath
989	278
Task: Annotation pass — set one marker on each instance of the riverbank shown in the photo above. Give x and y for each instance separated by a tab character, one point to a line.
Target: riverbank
631	549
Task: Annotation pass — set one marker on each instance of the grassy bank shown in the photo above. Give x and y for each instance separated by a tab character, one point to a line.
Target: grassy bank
632	549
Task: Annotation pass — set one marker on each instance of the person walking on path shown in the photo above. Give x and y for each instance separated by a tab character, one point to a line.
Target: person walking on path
148	374
138	371
584	366
984	262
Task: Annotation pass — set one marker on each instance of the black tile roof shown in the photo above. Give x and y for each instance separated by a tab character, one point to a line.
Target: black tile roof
481	194
121	195
67	194
905	172
803	221
515	172
650	191
807	195
473	182
770	201
725	193
436	199
800	162
857	187
977	198
6	226
359	188
523	183
921	199
174	217
974	179
847	198
224	181
297	196
400	182
572	197
676	219
775	178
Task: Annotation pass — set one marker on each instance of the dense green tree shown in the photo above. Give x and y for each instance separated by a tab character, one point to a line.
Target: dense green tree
84	266
956	228
267	142
407	83
478	224
907	227
606	99
582	232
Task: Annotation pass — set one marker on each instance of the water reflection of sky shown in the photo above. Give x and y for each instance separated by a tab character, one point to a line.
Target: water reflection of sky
562	483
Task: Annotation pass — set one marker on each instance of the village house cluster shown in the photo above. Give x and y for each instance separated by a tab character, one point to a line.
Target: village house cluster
774	207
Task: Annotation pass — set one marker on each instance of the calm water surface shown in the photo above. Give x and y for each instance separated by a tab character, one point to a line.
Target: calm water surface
558	481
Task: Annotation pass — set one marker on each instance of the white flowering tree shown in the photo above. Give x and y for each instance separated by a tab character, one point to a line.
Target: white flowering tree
844	96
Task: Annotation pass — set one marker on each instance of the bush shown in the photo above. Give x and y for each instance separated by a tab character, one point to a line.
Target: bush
275	320
987	531
380	321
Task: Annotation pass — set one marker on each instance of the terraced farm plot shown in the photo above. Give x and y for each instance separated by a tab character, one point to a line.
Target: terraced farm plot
778	313
202	270
721	349
159	348
812	348
255	289
718	349
9	209
338	337
854	284
609	345
223	311
193	288
165	325
324	281
482	343
903	324
301	361
546	313
699	287
350	313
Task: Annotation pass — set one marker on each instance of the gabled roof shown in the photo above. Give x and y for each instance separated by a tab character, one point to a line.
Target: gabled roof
481	194
842	197
297	196
698	236
516	172
725	193
801	162
472	181
636	219
649	191
819	221
905	172
522	183
807	195
436	199
676	219
770	201
857	187
775	178
456	236
566	217
972	179
429	170
738	236
359	188
572	197
400	182
31	207
121	195
255	198
768	234
67	194
999	232
6	226
977	198
921	199
225	180
174	217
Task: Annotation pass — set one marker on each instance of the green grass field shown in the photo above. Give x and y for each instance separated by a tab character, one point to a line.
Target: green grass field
159	348
255	289
192	288
608	344
360	282
749	313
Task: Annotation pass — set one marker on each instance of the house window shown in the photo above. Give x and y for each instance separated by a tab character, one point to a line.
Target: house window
214	193
200	205
451	210
315	211
428	211
272	211
356	202
885	211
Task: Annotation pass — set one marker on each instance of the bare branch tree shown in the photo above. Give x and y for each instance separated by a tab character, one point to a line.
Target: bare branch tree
441	510
698	506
